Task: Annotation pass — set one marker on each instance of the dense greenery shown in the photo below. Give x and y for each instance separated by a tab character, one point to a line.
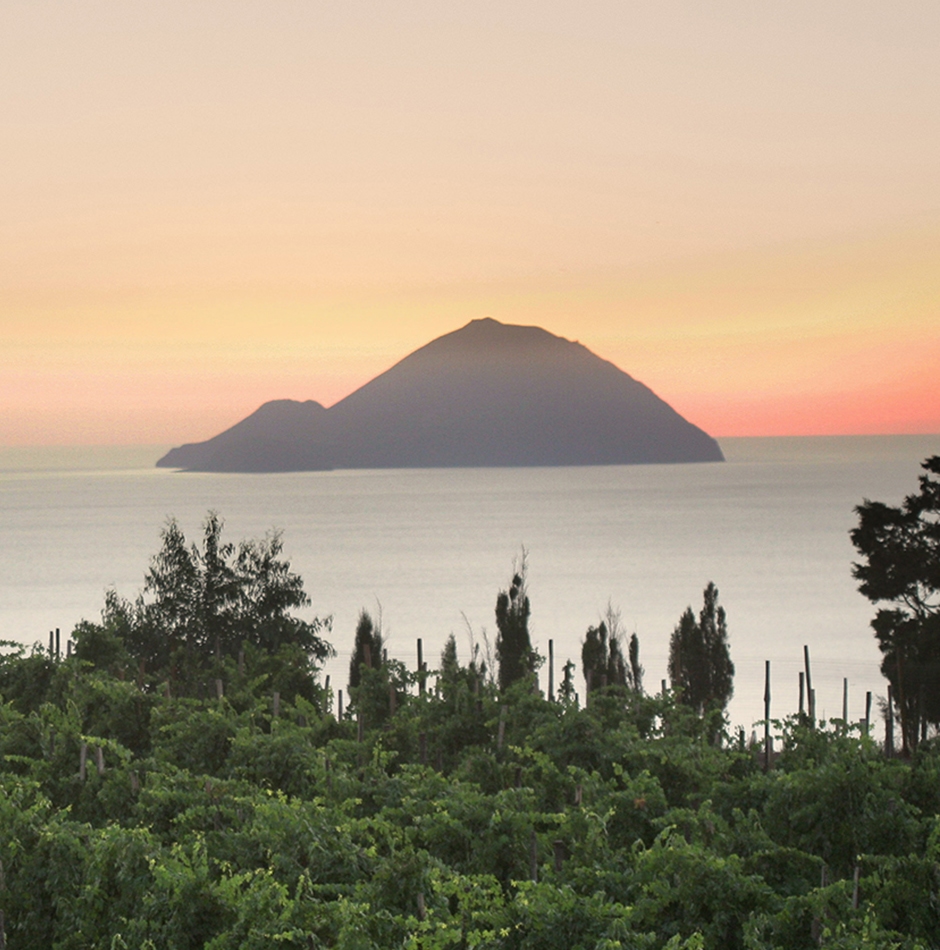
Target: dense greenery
439	812
202	610
901	567
241	822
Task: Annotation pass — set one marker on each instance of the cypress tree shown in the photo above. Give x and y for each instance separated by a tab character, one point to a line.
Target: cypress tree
700	666
513	647
367	649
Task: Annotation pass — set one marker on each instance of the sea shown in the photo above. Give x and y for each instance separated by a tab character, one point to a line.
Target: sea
428	550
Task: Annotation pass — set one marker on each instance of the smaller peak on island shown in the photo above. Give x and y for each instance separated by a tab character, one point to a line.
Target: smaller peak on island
486	394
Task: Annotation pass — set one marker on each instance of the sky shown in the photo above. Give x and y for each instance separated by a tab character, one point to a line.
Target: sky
206	205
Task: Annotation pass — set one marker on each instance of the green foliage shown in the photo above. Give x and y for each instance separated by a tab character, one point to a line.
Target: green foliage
700	666
104	645
25	679
203	605
602	659
900	548
220	823
514	652
367	649
244	815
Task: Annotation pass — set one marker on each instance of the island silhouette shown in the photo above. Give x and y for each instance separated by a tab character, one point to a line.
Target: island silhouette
486	395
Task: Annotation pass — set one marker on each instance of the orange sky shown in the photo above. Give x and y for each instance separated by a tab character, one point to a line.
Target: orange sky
208	205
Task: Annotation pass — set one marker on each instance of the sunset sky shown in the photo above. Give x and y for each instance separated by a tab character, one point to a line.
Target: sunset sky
206	205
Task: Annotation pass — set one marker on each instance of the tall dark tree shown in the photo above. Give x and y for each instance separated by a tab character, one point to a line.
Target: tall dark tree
900	547
566	691
367	649
687	659
700	666
513	647
636	670
602	659
595	658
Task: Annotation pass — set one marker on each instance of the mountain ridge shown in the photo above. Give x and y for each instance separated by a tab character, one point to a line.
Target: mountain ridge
487	394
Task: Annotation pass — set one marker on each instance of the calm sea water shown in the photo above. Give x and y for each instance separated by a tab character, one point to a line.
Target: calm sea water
430	549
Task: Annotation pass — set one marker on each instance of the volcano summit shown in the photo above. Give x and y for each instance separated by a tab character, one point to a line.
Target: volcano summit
488	394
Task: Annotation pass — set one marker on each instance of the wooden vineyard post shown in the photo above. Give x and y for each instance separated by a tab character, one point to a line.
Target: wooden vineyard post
339	705
802	693
99	759
501	734
845	702
889	725
276	704
768	750
551	671
810	695
868	713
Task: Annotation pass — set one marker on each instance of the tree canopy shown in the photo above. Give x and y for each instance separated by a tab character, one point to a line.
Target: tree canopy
367	648
514	652
602	659
900	567
700	666
203	604
461	815
464	817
